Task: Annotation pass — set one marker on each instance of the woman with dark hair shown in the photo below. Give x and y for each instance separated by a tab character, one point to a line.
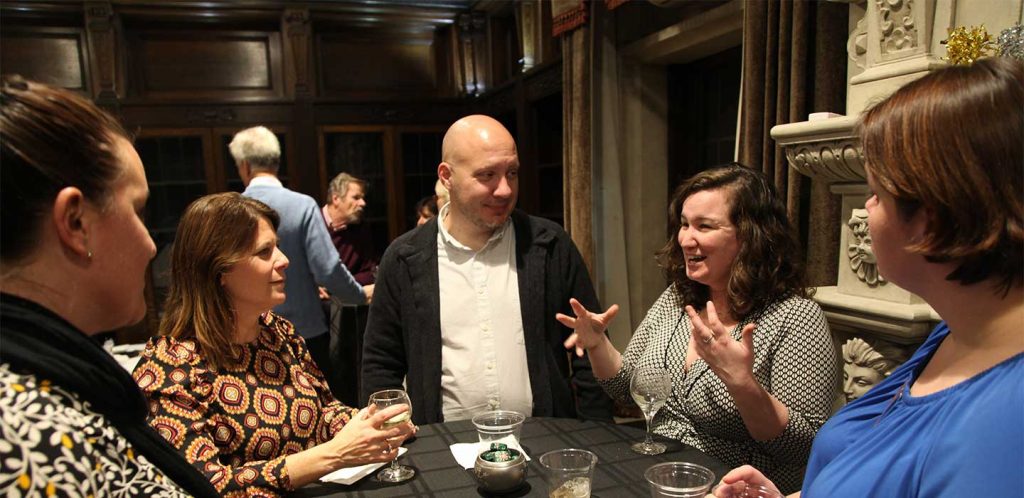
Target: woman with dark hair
230	383
426	209
739	395
72	265
945	165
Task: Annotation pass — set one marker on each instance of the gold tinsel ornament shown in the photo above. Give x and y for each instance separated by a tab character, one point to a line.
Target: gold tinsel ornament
964	46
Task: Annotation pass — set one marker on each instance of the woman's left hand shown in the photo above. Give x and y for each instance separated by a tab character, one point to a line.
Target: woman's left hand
732	361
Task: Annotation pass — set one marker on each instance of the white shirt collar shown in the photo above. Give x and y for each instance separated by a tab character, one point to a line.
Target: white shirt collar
265	181
452	241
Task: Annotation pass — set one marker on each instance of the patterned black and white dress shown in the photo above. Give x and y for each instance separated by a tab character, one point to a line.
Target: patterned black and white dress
794	359
52	444
72	420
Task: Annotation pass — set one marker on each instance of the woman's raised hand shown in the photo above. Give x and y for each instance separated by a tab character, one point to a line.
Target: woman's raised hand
732	361
362	440
589	327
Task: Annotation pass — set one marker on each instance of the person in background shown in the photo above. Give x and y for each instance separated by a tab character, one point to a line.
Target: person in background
72	265
944	160
440	194
753	365
229	382
346	200
303	238
464	313
426	209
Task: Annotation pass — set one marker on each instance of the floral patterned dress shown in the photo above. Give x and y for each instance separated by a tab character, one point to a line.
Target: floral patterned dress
237	424
53	444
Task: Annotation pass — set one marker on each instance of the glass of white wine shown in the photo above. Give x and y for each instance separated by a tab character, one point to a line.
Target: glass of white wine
650	388
384	399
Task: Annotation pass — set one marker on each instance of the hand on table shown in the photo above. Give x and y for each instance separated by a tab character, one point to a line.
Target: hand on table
732	361
362	440
589	327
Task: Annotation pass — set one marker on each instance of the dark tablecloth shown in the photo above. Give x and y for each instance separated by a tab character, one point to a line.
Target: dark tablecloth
619	471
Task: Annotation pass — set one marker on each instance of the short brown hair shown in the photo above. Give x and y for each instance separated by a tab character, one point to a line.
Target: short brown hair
50	138
768	266
215	232
339	185
952	143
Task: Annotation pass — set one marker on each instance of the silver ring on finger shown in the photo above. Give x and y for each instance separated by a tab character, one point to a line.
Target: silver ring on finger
708	338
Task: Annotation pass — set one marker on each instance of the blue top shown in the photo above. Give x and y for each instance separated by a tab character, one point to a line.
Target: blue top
966	440
302	236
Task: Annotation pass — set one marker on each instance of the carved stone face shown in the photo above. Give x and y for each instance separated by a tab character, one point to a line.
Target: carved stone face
858	380
862	256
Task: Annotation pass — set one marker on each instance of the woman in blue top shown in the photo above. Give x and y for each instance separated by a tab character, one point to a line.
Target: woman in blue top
945	164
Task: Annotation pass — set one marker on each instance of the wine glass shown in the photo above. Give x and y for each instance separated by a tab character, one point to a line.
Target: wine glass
650	387
383	399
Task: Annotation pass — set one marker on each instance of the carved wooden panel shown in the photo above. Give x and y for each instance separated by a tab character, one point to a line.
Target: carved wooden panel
50	55
352	68
200	65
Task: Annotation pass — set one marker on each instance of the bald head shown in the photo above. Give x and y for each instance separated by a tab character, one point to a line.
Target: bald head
470	135
480	169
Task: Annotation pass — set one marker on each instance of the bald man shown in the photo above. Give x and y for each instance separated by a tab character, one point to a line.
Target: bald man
464	308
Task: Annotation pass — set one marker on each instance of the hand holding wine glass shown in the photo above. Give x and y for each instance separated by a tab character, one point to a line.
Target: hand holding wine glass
650	388
384	399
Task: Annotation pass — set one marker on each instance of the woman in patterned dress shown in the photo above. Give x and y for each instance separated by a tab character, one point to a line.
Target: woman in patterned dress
753	365
73	264
230	383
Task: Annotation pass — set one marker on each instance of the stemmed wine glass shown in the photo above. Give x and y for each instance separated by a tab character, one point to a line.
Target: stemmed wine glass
650	387
383	399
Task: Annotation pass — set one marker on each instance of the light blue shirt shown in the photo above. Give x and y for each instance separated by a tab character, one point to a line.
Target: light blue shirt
313	260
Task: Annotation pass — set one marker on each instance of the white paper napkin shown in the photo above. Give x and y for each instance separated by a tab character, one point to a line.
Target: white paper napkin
350	475
465	453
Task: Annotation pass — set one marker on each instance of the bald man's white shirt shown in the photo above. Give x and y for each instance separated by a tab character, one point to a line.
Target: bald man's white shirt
483	348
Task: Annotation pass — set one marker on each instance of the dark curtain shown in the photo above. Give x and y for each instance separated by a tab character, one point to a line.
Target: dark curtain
794	63
576	155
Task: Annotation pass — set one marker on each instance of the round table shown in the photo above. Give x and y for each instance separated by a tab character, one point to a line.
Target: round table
619	471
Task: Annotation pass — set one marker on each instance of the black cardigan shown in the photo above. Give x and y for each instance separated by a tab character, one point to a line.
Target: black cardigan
403	334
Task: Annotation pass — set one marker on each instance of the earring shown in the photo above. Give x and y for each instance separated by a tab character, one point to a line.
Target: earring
88	254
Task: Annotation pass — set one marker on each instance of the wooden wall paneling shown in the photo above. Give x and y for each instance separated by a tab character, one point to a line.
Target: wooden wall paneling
198	64
417	153
53	55
356	65
102	35
298	45
445	62
394	113
137	114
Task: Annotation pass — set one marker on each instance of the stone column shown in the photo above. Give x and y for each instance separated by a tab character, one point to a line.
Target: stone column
891	43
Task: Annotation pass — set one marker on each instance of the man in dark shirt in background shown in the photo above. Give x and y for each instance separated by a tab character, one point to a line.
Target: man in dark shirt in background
346	200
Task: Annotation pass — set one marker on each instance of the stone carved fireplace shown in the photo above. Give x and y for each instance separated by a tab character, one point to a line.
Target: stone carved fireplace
875	323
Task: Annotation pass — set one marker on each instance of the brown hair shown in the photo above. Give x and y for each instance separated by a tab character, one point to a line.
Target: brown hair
215	232
339	185
952	143
768	265
50	138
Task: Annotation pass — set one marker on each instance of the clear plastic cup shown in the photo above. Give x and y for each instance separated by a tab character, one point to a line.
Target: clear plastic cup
501	426
743	490
568	473
679	480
